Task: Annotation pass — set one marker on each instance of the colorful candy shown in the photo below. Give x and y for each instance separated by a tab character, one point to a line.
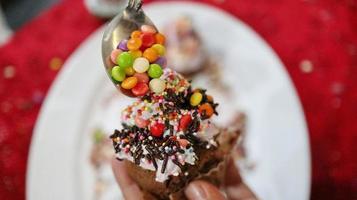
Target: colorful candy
159	49
123	45
157	85
125	59
136	34
129	71
142	77
136	53
206	109
140	59
129	83
184	122
155	71
148	29
150	54
157	129
140	89
196	99
115	53
118	73
160	38
141	65
147	39
162	62
134	44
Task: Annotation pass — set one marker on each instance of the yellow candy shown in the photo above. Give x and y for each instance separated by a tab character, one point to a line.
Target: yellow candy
129	71
136	34
129	83
136	53
196	99
160	49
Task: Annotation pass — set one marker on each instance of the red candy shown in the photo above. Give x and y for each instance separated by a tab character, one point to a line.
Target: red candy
157	129
147	39
142	77
184	122
140	89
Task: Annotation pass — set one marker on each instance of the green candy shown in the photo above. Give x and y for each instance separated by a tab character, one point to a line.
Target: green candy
125	60
118	73
155	71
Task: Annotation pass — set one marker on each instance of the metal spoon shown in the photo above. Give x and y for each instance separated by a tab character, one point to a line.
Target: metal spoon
131	18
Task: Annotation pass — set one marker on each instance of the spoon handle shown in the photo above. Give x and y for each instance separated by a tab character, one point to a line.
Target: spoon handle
135	4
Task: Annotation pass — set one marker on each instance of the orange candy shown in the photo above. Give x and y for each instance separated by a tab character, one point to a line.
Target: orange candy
129	83
136	34
207	109
150	54
134	44
136	53
160	38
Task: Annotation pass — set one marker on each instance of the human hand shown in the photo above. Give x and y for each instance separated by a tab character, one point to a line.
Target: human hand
196	190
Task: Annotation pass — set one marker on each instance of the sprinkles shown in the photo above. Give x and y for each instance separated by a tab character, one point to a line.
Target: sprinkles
169	122
162	128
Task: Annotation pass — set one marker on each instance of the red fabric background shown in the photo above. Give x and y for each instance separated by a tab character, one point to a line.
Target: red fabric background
316	40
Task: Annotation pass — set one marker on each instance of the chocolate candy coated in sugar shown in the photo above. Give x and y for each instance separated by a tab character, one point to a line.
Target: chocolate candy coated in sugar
148	29
196	99
157	85
162	61
123	45
125	59
155	71
136	34
206	109
142	77
129	71
157	129
129	83
151	55
147	39
160	49
140	89
184	122
114	55
141	65
118	73
134	44
160	38
136	53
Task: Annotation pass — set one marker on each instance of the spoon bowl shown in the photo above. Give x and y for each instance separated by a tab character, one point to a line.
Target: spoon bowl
120	28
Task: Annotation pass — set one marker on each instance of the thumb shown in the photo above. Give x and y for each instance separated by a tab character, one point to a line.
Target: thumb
201	190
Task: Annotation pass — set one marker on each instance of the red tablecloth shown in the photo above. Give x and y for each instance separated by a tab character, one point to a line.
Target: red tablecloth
316	40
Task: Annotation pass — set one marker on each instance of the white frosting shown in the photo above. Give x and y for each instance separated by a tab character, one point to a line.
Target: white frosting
171	168
151	112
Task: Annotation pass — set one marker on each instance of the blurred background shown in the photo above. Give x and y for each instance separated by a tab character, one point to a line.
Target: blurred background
315	39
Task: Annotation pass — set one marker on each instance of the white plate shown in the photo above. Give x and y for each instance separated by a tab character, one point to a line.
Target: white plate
277	138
